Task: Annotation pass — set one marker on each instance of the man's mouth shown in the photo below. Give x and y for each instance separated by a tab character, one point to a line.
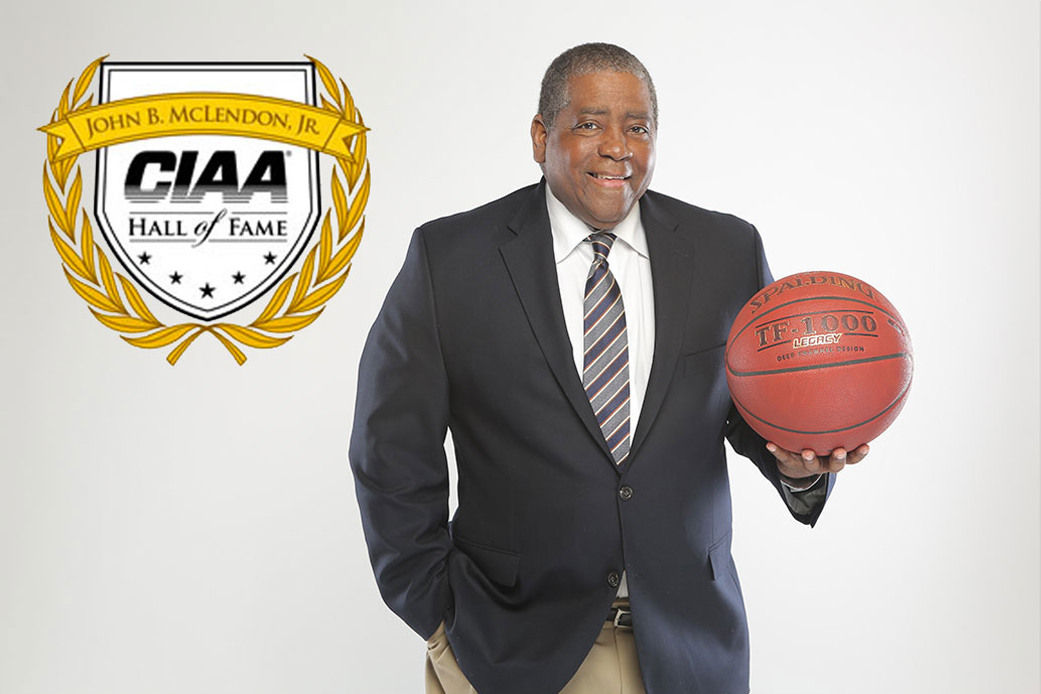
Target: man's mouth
605	177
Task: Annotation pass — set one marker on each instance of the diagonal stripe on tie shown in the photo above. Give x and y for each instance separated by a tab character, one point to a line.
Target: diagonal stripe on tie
605	369
601	308
606	342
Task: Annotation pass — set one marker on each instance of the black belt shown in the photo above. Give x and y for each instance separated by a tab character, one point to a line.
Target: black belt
620	617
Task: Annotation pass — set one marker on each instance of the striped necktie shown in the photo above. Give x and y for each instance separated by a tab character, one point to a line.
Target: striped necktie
605	371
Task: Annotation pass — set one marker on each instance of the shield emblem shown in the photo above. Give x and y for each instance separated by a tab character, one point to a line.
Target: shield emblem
208	223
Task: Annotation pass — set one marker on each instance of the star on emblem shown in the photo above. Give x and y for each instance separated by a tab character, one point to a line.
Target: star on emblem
269	259
207	291
238	277
175	278
144	258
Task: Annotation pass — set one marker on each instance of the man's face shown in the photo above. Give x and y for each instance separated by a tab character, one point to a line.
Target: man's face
598	156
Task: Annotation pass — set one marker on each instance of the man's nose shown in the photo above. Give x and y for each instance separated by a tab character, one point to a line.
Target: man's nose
614	145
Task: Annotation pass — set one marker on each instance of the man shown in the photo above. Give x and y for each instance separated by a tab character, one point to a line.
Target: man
571	335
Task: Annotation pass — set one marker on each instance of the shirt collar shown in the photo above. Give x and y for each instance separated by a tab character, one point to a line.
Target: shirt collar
569	231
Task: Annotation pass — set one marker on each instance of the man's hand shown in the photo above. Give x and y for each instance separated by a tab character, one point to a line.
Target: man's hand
797	466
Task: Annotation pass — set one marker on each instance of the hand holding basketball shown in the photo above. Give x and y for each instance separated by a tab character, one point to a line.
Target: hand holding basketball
807	464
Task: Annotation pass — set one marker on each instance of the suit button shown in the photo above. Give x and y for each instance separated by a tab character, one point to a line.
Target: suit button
626	493
613	579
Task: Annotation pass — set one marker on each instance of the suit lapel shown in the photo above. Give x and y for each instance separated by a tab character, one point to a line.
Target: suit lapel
529	259
672	258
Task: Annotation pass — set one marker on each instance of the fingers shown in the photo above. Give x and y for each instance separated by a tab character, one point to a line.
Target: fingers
782	455
859	454
794	465
834	462
809	463
839	458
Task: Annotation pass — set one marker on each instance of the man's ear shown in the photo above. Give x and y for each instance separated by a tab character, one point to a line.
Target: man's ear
539	133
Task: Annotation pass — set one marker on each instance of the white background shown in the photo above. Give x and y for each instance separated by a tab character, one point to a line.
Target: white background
194	529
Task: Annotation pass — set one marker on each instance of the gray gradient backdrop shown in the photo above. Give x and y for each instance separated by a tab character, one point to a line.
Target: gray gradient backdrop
194	529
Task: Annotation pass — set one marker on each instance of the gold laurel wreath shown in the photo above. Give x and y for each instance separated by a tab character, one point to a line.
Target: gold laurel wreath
323	272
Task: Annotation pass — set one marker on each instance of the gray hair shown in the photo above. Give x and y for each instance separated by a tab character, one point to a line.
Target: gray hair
582	60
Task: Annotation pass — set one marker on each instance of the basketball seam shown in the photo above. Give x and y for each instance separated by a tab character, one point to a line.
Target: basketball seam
812	367
891	405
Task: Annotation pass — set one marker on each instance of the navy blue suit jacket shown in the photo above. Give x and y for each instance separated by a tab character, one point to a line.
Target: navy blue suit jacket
472	337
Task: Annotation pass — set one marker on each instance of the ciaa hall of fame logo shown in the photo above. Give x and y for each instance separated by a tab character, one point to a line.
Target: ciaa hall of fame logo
207	191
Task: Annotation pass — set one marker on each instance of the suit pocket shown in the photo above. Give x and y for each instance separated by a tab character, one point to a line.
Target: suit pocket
437	642
719	557
498	565
709	360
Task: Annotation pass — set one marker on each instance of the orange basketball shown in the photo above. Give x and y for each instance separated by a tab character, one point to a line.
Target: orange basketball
819	360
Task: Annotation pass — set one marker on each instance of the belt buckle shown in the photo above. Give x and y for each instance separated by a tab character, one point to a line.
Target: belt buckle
619	612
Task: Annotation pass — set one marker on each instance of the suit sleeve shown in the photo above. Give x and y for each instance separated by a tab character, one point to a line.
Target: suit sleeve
397	449
805	506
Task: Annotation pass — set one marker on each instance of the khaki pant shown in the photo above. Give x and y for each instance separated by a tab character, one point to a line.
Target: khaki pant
610	668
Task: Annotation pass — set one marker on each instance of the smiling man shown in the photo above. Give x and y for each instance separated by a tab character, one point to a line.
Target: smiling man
571	336
599	160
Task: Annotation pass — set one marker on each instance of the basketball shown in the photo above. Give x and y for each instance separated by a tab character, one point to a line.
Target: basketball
819	360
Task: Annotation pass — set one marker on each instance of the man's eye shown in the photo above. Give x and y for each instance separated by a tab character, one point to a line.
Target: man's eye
643	130
585	126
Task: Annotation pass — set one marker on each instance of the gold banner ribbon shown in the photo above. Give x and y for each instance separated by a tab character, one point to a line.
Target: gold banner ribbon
202	113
